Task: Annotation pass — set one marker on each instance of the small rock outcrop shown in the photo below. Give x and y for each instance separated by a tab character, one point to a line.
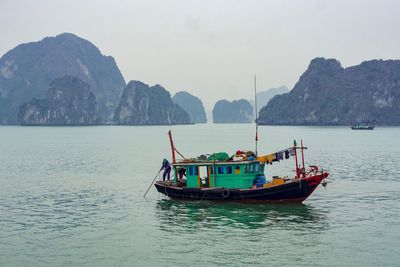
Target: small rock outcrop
69	101
328	94
192	105
237	111
141	104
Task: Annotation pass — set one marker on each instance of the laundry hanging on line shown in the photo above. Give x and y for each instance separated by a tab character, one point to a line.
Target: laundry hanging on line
278	156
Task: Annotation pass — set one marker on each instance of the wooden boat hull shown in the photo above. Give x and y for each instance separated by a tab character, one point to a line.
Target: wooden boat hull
296	191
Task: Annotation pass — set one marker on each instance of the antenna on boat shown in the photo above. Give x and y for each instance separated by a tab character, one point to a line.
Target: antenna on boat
255	110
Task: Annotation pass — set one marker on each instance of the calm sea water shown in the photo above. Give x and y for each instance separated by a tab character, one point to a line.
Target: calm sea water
72	196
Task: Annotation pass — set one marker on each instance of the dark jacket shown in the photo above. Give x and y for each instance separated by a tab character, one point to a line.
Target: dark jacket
165	164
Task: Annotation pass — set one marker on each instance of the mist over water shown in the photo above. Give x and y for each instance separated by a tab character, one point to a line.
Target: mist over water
72	196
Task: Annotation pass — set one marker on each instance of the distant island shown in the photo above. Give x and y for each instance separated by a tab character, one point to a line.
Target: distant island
264	96
192	105
237	111
71	66
142	104
28	69
328	94
33	75
69	101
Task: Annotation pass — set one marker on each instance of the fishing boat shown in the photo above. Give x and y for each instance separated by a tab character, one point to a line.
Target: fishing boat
362	127
240	177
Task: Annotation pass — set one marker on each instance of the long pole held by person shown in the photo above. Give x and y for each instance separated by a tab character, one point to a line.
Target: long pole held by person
152	183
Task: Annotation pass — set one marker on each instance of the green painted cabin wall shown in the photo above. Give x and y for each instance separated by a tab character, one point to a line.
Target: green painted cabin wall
192	181
242	180
212	180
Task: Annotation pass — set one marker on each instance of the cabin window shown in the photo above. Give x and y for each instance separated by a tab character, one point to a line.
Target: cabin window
220	169
251	168
193	170
228	169
237	169
257	167
212	169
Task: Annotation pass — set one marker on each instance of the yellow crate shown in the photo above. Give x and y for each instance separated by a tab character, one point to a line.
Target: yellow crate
274	182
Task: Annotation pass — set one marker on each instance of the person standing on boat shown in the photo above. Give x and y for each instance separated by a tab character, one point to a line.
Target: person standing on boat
181	173
167	169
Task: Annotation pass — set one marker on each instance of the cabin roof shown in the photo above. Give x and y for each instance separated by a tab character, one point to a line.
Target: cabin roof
210	163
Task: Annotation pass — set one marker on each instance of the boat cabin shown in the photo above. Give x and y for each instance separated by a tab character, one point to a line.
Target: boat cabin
242	174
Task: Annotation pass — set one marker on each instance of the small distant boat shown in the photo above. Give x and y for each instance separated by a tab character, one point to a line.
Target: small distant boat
362	127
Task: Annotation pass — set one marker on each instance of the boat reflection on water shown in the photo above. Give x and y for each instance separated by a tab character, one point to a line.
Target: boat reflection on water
191	215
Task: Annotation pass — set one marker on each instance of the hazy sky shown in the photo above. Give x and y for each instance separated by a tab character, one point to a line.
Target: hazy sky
213	48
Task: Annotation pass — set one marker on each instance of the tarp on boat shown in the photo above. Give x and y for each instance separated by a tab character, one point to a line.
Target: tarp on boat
220	156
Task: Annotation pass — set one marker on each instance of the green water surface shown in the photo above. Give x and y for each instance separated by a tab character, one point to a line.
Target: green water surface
72	196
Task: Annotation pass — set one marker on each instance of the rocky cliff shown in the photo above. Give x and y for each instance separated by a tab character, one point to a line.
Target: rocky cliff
141	104
328	94
237	111
69	102
192	105
27	70
263	97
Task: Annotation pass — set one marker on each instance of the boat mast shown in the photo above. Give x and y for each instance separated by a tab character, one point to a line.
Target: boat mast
302	156
295	157
255	110
172	146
